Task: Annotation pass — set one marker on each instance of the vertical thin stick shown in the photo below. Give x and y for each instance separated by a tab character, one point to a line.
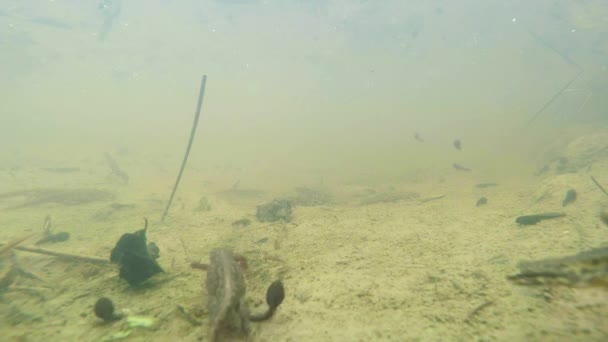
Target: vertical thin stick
555	96
598	185
192	133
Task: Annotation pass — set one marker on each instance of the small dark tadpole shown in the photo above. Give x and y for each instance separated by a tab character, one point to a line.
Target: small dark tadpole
104	309
274	297
570	197
458	144
418	137
275	294
528	220
481	202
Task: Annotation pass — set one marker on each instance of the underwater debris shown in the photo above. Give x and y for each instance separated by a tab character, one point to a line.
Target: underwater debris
307	197
203	204
34	198
542	170
48	236
140	321
461	168
389	197
9	265
61	169
228	311
197	114
418	137
226	289
599	186
244	222
8	272
528	220
570	197
109	211
110	11
133	256
277	210
64	256
475	312
485	185
481	201
13	244
51	22
54	238
117	172
15	316
241	195
585	269
432	198
560	165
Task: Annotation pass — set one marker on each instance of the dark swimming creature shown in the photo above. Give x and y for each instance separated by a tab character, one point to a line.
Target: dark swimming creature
104	309
570	197
274	297
528	220
458	144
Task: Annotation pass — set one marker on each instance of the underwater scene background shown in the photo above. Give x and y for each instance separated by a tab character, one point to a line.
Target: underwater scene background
361	170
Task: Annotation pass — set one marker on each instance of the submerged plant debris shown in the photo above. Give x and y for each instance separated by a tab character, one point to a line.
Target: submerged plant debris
39	197
585	269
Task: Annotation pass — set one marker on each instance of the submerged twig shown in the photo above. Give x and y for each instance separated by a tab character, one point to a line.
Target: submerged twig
188	316
598	185
567	60
47	226
14	243
185	249
38	197
192	133
116	170
554	97
477	310
434	198
66	256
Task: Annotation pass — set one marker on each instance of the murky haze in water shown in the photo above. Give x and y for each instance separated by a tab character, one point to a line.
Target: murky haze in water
388	161
313	91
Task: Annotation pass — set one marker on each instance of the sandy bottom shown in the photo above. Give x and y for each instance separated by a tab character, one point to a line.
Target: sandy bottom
405	269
